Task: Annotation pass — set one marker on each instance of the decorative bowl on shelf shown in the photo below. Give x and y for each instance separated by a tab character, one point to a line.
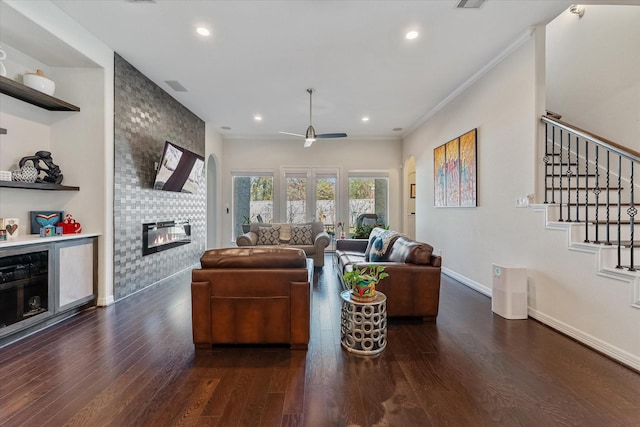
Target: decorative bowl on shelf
27	173
39	81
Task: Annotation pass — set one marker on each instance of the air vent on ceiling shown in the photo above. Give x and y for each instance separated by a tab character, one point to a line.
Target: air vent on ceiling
175	85
470	4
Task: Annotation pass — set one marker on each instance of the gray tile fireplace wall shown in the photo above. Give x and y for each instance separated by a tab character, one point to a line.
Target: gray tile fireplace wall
145	117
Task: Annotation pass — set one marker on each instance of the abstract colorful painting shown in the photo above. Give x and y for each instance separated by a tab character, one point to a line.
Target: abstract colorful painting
439	190
468	169
454	172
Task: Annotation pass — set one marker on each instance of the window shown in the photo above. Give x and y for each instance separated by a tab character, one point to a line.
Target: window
326	199
296	210
368	197
310	195
252	200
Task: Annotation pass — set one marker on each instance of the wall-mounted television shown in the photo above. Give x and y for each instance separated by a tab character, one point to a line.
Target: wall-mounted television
179	170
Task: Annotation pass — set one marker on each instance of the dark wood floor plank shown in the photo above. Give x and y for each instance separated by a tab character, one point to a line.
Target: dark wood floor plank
272	413
134	363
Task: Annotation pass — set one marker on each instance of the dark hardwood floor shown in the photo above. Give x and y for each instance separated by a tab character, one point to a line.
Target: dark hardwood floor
133	364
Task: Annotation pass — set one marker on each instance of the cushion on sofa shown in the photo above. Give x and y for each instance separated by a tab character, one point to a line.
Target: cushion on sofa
410	251
285	232
269	235
383	240
301	235
377	254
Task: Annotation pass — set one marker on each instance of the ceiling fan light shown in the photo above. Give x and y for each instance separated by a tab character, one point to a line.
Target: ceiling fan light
308	142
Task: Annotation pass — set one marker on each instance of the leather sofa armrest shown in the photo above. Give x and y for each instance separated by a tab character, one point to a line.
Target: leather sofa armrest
247	239
300	311
353	245
321	241
201	313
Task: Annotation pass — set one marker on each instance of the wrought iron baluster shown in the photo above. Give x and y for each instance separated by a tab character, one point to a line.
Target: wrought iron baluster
619	211
553	165
596	191
545	159
560	177
608	209
632	211
569	174
586	193
586	184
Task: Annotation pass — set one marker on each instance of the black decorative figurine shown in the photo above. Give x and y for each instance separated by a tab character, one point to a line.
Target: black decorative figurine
51	172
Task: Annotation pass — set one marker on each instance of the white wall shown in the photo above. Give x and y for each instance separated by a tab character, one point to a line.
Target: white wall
81	143
564	289
345	154
593	71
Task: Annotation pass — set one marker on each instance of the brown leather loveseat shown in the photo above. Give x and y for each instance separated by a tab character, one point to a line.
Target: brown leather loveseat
251	295
413	286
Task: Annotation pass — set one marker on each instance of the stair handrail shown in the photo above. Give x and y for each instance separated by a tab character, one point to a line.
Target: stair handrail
606	143
609	146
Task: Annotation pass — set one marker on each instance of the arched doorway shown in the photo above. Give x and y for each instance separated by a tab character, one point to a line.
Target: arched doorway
410	196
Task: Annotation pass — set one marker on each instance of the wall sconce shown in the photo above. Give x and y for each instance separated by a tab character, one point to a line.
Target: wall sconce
577	9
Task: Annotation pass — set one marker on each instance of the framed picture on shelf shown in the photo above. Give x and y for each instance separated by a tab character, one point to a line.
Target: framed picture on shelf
40	219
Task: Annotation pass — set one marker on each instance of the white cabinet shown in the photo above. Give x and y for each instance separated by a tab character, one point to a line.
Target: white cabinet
44	280
76	272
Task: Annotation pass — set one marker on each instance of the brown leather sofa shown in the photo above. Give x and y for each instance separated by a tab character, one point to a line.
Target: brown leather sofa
413	286
313	248
251	295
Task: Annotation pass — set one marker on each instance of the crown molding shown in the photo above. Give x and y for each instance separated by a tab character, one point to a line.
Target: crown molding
474	78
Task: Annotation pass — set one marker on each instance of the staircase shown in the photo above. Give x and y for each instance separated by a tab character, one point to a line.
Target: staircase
589	191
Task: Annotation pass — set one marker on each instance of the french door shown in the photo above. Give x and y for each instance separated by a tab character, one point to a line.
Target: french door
310	195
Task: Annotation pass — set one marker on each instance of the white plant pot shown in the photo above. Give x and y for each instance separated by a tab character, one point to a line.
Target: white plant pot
39	81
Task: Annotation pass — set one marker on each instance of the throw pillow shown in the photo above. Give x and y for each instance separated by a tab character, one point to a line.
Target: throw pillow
301	235
367	252
269	236
377	253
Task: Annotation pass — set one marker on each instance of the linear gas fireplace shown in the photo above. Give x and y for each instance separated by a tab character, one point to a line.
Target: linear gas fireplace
160	236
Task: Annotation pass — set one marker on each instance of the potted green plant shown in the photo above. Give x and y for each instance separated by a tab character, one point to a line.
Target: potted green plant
363	281
246	223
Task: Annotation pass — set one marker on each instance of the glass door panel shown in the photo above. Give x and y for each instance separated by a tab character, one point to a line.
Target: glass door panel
296	209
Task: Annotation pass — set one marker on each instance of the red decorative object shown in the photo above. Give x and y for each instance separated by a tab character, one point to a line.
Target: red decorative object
70	225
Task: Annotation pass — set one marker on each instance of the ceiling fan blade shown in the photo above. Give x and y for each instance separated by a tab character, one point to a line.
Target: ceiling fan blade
332	135
294	134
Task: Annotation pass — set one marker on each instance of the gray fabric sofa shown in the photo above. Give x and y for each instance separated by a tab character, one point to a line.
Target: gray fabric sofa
308	236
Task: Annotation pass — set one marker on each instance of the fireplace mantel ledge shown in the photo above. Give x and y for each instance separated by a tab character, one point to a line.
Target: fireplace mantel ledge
33	239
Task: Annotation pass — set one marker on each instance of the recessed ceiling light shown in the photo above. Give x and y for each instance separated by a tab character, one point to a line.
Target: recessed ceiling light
365	119
257	118
203	31
412	35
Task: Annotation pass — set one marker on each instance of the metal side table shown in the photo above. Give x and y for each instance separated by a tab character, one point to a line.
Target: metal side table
363	328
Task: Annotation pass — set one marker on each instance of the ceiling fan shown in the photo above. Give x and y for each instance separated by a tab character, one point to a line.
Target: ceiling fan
310	135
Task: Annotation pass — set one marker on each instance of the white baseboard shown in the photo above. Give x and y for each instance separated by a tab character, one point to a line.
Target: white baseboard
468	282
103	302
611	351
588	340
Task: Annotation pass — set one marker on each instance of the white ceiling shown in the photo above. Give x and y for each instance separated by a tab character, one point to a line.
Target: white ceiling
263	55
